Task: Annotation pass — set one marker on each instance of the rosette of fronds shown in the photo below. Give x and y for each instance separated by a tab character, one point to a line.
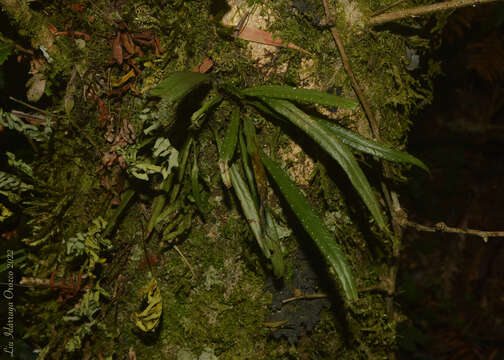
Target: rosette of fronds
246	173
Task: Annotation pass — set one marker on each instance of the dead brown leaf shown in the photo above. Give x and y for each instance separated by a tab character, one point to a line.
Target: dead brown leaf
131	354
138	51
265	37
204	66
127	43
102	108
52	29
158	44
78	7
117	49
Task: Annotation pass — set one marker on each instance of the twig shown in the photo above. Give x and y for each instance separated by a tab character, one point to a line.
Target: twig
382	10
304	297
241	24
369	114
184	260
442	227
385	286
391	197
17	46
348	69
424	10
33	119
47	113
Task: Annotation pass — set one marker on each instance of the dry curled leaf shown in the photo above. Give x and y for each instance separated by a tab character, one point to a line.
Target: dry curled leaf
204	66
102	108
78	7
117	49
148	319
52	29
127	43
131	354
158	44
265	37
138	51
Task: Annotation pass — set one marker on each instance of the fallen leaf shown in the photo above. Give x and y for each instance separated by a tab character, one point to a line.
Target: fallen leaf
78	7
117	49
133	64
102	108
36	84
52	29
124	78
131	354
143	35
265	37
148	319
127	42
204	66
158	44
138	51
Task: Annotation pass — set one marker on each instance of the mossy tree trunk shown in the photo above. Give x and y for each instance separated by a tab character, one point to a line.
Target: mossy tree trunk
216	287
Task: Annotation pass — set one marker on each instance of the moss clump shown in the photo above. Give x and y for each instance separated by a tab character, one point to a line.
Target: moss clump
222	306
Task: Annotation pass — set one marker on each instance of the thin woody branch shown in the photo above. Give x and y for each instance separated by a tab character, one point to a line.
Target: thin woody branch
424	10
442	227
389	196
381	11
355	84
16	46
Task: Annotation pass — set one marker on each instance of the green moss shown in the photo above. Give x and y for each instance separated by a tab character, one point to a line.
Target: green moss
223	306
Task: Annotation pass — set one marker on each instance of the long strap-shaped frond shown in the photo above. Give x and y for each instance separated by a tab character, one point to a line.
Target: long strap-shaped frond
371	147
334	147
313	225
300	94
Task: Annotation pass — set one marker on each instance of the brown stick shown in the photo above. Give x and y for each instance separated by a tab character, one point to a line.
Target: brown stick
304	297
353	79
17	46
382	10
424	10
442	227
47	113
389	196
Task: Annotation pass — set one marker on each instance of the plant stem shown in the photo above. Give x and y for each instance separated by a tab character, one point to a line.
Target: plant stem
389	196
442	227
382	10
47	113
424	10
15	45
353	79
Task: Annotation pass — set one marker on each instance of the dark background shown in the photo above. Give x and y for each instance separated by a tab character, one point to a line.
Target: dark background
451	286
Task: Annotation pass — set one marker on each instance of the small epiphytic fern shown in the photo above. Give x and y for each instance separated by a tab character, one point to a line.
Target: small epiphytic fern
278	102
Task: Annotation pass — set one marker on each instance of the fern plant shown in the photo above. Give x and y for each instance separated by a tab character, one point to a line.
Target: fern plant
279	102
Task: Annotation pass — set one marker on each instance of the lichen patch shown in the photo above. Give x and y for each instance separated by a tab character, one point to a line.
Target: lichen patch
302	166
